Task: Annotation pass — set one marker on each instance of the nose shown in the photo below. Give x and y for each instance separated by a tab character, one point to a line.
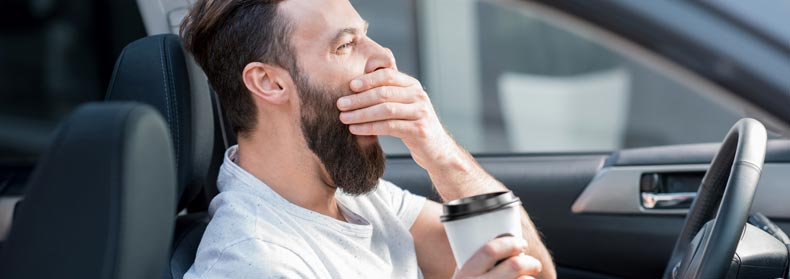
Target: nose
380	58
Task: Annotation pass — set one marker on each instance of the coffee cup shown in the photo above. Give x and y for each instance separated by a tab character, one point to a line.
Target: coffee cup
471	222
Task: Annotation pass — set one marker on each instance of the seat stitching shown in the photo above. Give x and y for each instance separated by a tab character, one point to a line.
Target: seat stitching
164	82
115	71
174	94
173	123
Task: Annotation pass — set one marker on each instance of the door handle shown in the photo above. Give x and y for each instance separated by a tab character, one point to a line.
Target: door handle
667	200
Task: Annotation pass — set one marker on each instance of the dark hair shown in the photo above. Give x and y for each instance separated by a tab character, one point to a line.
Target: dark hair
224	36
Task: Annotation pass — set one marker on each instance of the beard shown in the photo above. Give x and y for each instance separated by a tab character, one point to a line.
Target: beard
353	168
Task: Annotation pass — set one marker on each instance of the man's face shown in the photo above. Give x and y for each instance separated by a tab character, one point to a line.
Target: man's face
332	48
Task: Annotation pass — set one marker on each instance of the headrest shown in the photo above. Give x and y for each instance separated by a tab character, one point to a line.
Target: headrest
153	70
94	204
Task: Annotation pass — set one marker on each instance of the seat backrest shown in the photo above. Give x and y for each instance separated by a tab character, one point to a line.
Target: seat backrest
153	70
189	232
94	204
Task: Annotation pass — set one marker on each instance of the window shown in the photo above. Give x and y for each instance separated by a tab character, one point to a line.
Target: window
55	55
506	77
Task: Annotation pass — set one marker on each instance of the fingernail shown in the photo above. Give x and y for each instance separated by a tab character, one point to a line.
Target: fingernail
356	84
535	262
344	102
523	243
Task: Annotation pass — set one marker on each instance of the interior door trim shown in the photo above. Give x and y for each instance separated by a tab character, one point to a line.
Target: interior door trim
615	190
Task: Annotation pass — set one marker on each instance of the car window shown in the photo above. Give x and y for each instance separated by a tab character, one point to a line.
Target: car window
55	55
505	77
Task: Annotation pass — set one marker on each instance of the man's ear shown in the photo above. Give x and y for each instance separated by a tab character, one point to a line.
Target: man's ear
266	82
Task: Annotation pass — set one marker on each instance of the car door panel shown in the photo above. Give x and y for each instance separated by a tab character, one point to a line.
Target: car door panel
601	244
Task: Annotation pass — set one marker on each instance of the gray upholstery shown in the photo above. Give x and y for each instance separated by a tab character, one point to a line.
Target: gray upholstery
153	70
189	232
94	204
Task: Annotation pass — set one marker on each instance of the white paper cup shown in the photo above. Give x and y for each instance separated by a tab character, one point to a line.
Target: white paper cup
473	221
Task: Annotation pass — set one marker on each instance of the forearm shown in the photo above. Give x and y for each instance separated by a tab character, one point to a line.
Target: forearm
456	175
460	176
536	248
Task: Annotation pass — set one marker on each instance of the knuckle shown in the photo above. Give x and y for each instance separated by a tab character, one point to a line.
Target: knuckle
390	109
384	94
392	125
422	112
391	74
362	114
422	96
514	245
421	129
517	264
378	128
489	250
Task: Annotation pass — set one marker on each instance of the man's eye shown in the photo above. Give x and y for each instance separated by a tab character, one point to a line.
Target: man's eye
345	46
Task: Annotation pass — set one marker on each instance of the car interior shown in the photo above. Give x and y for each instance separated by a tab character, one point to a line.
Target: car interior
95	231
155	144
159	64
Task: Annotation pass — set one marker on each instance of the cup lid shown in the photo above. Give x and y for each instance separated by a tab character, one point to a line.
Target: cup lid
479	204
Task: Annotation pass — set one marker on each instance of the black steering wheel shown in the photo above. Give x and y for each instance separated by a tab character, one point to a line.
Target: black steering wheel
718	215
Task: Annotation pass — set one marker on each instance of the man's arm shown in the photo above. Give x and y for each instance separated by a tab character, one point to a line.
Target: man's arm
461	180
433	249
392	103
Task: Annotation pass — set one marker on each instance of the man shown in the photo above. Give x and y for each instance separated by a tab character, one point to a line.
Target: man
307	93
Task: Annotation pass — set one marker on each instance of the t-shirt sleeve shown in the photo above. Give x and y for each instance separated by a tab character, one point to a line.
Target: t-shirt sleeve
405	204
254	258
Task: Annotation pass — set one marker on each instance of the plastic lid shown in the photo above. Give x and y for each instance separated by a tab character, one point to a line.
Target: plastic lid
476	205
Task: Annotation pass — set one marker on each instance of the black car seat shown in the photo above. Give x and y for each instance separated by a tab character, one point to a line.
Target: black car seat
154	70
93	205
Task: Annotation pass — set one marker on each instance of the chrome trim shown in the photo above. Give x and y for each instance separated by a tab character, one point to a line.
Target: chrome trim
7	205
615	190
664	200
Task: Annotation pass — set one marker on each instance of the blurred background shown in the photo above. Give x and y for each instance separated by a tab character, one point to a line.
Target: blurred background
504	76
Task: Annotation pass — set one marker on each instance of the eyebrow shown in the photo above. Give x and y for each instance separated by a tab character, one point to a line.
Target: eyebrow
347	31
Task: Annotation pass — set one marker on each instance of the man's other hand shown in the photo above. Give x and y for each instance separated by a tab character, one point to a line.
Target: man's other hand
500	258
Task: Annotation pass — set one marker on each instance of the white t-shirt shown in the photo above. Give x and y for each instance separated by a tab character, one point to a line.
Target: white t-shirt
256	233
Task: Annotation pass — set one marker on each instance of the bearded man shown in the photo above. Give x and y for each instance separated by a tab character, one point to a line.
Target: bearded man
301	196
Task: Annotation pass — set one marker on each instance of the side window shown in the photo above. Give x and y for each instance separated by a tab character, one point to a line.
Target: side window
55	55
507	77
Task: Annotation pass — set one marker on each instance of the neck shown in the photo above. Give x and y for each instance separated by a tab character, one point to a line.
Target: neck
284	163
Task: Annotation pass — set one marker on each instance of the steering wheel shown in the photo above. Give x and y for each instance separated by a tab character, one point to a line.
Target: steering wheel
718	215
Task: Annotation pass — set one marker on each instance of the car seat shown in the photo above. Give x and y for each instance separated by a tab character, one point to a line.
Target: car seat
93	205
154	70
